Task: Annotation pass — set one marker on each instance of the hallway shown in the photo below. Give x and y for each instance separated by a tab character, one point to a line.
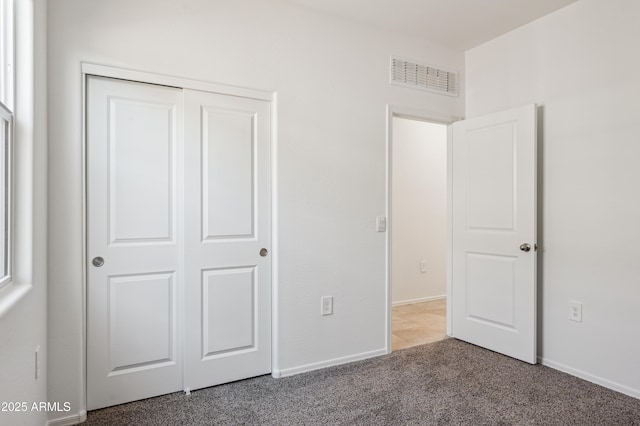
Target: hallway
419	323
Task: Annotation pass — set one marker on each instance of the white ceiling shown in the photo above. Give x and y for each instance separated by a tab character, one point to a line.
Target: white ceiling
457	24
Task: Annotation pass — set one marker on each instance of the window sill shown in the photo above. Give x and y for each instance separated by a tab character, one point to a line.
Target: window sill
11	295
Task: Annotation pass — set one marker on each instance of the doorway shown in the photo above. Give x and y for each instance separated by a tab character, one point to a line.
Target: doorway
418	231
490	262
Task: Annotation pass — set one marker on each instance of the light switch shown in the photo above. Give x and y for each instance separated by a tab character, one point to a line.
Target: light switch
381	224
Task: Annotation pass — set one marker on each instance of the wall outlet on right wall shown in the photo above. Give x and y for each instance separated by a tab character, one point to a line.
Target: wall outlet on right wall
575	311
326	305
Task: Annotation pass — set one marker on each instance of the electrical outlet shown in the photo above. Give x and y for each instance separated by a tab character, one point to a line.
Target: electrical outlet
326	305
423	266
575	311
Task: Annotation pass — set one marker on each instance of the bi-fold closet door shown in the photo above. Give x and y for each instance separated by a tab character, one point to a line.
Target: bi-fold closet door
178	239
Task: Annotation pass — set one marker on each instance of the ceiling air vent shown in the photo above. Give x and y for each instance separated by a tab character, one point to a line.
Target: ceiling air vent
417	76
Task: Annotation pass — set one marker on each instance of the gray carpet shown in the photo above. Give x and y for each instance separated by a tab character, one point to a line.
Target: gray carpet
443	383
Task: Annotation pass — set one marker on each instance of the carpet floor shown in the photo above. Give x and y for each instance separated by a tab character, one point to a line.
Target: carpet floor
444	383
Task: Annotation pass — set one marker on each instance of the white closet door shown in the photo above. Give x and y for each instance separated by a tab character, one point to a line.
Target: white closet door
494	232
134	238
227	238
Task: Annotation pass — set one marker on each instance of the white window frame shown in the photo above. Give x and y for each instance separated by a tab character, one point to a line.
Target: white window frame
7	53
7	90
6	144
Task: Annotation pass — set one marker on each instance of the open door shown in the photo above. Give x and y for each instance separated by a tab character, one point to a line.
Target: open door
494	232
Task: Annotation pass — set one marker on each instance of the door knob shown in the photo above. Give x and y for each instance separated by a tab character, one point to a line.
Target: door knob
97	261
525	247
264	252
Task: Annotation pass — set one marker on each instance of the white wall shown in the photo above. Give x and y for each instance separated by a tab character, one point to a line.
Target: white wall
580	65
332	81
418	210
24	327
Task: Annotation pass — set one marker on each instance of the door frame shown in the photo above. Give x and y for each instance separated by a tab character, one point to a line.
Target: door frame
429	117
89	69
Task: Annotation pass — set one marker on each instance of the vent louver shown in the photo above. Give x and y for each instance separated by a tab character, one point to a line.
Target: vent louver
410	74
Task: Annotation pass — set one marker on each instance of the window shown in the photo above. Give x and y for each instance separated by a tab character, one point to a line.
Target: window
6	53
6	138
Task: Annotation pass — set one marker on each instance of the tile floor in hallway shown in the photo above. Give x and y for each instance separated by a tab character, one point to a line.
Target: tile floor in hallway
419	323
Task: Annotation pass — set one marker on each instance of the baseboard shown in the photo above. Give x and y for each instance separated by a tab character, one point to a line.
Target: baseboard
419	300
329	363
69	420
635	393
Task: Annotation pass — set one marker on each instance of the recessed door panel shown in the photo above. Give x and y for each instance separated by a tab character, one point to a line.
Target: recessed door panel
141	165
142	321
228	146
490	178
228	310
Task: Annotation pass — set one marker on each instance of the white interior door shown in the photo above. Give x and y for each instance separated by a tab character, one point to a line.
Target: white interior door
494	232
228	225
134	315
